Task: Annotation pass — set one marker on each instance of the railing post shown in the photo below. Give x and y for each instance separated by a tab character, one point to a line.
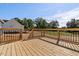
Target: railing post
41	33
58	37
0	35
20	38
44	33
32	33
0	38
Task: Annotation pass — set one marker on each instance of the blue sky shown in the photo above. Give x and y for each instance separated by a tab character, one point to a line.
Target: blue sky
51	11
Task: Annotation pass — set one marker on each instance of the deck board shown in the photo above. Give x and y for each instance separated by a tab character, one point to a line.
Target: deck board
8	50
13	49
25	49
57	50
31	49
18	52
62	43
35	47
21	49
1	49
45	51
4	50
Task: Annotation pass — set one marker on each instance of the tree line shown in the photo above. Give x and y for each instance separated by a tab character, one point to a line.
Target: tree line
40	22
74	23
37	23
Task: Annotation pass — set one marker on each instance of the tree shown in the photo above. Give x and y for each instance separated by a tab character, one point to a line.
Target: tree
40	23
19	20
68	24
53	24
30	24
72	23
25	23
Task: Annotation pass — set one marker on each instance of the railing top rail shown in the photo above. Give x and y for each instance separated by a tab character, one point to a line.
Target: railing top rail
70	29
9	29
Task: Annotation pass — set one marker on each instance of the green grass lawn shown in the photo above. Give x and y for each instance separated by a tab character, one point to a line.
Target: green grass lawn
55	33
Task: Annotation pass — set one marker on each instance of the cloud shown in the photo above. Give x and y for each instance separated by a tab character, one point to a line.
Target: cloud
64	17
68	14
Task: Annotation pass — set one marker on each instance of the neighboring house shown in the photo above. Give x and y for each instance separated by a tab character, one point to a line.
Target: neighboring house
1	23
74	23
11	24
77	23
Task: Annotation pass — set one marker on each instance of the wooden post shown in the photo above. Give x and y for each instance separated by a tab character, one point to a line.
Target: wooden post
32	34
20	38
0	38
44	33
73	36
41	33
58	37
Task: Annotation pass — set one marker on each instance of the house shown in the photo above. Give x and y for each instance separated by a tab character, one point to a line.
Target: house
77	23
11	24
74	23
1	23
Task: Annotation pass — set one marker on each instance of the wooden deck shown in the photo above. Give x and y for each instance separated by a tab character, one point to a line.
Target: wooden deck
34	47
62	43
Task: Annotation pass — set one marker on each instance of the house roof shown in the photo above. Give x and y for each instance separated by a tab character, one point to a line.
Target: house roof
17	21
2	21
5	20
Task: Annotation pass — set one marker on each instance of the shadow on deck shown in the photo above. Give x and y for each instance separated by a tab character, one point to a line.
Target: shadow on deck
34	47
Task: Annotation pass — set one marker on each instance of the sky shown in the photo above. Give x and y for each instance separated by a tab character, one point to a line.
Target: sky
61	12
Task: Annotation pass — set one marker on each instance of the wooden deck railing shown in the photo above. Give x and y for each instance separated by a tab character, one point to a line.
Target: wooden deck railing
10	34
30	34
66	37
